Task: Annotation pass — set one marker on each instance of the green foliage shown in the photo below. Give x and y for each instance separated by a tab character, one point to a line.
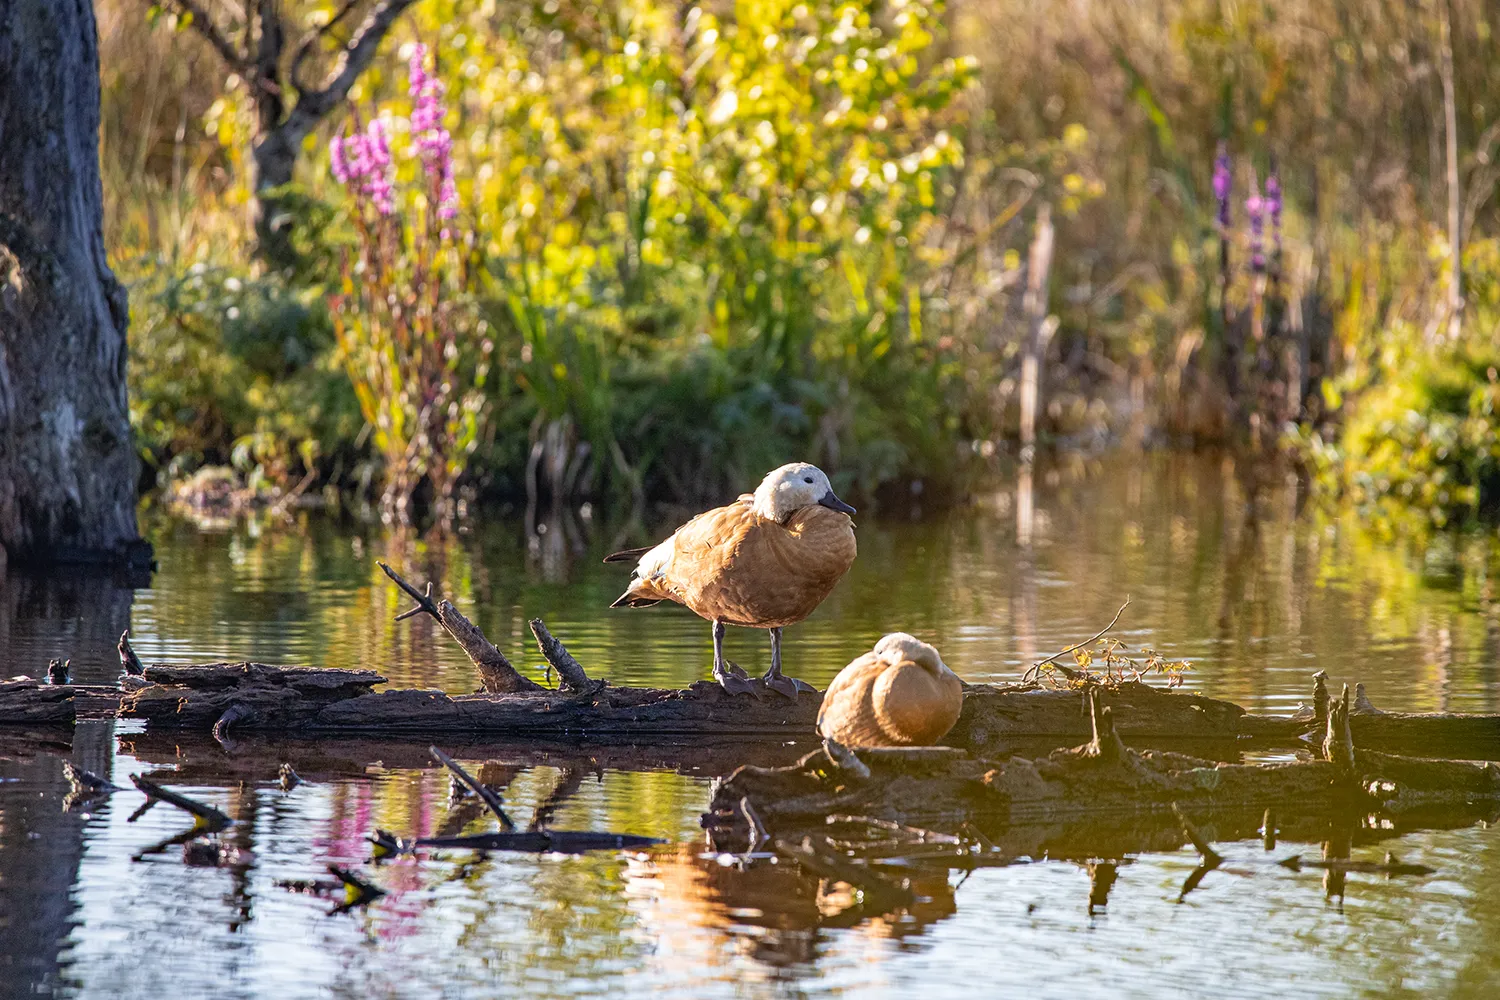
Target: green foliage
703	236
225	369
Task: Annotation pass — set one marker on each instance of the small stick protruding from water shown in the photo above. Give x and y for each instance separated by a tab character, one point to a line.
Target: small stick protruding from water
288	778
758	833
129	662
1268	830
1199	842
206	815
487	795
58	670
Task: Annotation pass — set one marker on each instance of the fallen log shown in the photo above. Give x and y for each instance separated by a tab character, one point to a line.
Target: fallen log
1423	733
923	786
28	702
997	720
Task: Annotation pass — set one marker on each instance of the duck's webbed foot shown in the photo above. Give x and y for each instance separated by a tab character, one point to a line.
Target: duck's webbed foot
729	676
775	679
734	680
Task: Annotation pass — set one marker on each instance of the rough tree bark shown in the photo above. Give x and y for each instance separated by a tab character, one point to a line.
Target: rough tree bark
253	43
67	464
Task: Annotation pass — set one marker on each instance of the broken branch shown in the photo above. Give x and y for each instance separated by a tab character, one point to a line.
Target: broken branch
485	794
568	669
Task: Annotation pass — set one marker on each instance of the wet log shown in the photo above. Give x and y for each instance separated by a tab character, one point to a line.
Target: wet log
254	695
924	786
230	699
993	714
1437	734
29	702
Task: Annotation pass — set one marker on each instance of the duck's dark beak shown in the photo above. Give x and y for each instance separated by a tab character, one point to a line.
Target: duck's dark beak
834	503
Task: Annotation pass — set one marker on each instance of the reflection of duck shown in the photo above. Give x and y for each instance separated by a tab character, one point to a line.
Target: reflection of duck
900	694
765	561
776	914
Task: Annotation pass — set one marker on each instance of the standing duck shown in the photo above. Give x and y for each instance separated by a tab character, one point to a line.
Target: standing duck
765	561
900	695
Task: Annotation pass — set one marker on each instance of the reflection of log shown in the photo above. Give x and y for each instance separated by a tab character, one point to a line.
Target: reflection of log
949	787
195	759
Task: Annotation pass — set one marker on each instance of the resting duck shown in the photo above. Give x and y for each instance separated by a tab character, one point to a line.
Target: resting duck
900	695
765	561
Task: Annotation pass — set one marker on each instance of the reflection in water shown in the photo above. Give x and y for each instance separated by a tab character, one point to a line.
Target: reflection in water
776	914
1222	569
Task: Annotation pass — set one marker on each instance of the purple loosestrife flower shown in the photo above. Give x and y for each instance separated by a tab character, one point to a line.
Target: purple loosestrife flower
1222	185
1255	206
434	144
362	162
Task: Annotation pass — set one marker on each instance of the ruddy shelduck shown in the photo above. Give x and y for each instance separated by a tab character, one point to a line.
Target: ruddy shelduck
901	694
765	561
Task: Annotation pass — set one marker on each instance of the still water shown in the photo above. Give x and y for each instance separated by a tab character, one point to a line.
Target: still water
1222	569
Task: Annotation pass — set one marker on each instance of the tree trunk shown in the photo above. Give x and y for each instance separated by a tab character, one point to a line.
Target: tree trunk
273	160
67	463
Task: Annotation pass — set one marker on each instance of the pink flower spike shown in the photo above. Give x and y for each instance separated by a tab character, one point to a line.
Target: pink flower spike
336	160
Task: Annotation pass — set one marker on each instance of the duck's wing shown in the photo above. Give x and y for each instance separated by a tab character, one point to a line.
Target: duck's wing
667	572
847	713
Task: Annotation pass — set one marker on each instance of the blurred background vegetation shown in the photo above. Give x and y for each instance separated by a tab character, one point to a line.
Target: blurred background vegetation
701	240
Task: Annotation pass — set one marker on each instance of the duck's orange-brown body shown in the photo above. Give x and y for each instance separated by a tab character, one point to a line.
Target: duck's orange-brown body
736	566
901	694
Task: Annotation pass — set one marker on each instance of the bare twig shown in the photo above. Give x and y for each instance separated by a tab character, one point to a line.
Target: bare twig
424	601
1068	671
486	794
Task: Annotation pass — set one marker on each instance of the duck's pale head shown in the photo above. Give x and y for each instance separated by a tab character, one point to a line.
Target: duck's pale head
792	487
898	646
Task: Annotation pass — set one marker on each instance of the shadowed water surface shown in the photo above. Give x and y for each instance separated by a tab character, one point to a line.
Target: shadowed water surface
1220	567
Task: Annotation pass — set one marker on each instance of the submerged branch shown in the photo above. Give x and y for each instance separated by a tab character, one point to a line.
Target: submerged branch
486	794
206	815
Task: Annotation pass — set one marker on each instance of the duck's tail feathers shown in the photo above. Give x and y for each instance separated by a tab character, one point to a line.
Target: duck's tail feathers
628	555
630	600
